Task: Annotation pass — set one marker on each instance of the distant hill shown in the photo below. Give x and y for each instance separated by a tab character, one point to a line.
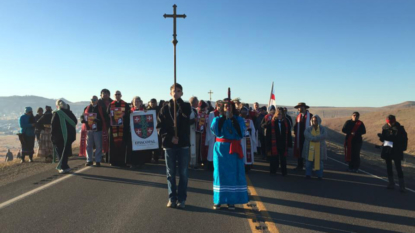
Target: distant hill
16	104
407	104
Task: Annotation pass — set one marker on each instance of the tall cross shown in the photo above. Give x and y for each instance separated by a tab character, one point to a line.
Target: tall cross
210	95
174	16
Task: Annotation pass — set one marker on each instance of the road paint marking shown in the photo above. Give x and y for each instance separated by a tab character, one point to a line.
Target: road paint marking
370	174
271	227
24	195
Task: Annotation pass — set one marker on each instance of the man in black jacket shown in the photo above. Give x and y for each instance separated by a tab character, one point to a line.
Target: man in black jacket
63	134
354	129
395	142
176	147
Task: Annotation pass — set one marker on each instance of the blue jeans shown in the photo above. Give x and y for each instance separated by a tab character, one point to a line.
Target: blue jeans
182	156
94	139
309	168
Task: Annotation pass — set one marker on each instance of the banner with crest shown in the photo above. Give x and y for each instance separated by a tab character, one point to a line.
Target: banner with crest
143	130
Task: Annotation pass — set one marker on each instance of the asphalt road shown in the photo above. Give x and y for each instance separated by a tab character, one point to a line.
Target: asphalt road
108	199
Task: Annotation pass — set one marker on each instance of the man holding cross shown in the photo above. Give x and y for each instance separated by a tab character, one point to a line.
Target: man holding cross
176	142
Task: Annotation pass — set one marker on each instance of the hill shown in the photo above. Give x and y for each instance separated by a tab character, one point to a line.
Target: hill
374	122
14	105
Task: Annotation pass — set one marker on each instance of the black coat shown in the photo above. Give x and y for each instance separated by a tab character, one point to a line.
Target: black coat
45	119
348	127
57	137
258	127
398	136
165	124
283	139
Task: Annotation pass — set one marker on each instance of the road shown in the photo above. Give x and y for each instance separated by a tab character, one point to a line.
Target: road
108	199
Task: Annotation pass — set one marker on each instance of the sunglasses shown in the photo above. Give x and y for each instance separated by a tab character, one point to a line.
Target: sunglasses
117	94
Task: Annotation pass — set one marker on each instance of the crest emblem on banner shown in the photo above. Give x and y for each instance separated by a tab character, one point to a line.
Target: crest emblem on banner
143	125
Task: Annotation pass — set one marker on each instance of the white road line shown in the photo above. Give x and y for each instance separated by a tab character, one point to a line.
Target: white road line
368	173
20	197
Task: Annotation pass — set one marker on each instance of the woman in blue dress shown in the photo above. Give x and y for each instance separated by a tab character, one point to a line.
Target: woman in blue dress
229	183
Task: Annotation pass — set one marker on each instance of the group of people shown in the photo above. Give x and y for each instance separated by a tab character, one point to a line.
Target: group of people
56	135
223	138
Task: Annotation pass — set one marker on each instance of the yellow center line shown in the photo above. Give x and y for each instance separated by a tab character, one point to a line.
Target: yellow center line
252	220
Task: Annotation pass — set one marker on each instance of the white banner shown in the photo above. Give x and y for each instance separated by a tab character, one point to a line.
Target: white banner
143	130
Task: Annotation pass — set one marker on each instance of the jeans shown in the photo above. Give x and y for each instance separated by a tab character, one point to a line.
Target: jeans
309	168
94	138
182	156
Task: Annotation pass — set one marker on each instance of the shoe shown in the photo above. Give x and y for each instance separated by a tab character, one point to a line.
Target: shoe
22	161
308	177
216	207
171	204
391	184
30	160
89	164
64	171
320	178
181	205
231	207
97	164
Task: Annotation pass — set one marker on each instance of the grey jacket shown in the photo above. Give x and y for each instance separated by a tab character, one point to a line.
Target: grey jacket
321	138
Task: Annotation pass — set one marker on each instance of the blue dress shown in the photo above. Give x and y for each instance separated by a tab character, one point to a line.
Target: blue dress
229	183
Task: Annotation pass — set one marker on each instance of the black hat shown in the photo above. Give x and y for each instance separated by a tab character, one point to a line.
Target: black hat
301	104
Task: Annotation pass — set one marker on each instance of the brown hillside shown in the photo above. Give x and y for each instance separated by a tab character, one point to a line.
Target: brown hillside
374	122
407	104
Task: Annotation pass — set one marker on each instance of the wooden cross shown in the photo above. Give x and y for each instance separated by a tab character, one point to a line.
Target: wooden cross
174	16
210	95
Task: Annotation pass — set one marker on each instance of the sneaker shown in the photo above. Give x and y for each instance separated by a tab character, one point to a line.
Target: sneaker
181	205
171	204
231	207
97	164
22	161
30	160
89	164
216	207
64	171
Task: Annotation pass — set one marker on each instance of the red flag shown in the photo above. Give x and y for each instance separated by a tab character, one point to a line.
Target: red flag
272	96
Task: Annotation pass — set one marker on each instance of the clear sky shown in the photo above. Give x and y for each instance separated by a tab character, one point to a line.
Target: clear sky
323	52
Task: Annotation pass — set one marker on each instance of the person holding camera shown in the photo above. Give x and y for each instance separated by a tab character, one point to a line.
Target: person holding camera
395	142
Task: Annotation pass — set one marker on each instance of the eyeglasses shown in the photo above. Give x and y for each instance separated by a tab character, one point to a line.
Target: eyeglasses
117	94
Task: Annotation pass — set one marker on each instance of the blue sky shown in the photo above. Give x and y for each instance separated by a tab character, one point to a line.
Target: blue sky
323	52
